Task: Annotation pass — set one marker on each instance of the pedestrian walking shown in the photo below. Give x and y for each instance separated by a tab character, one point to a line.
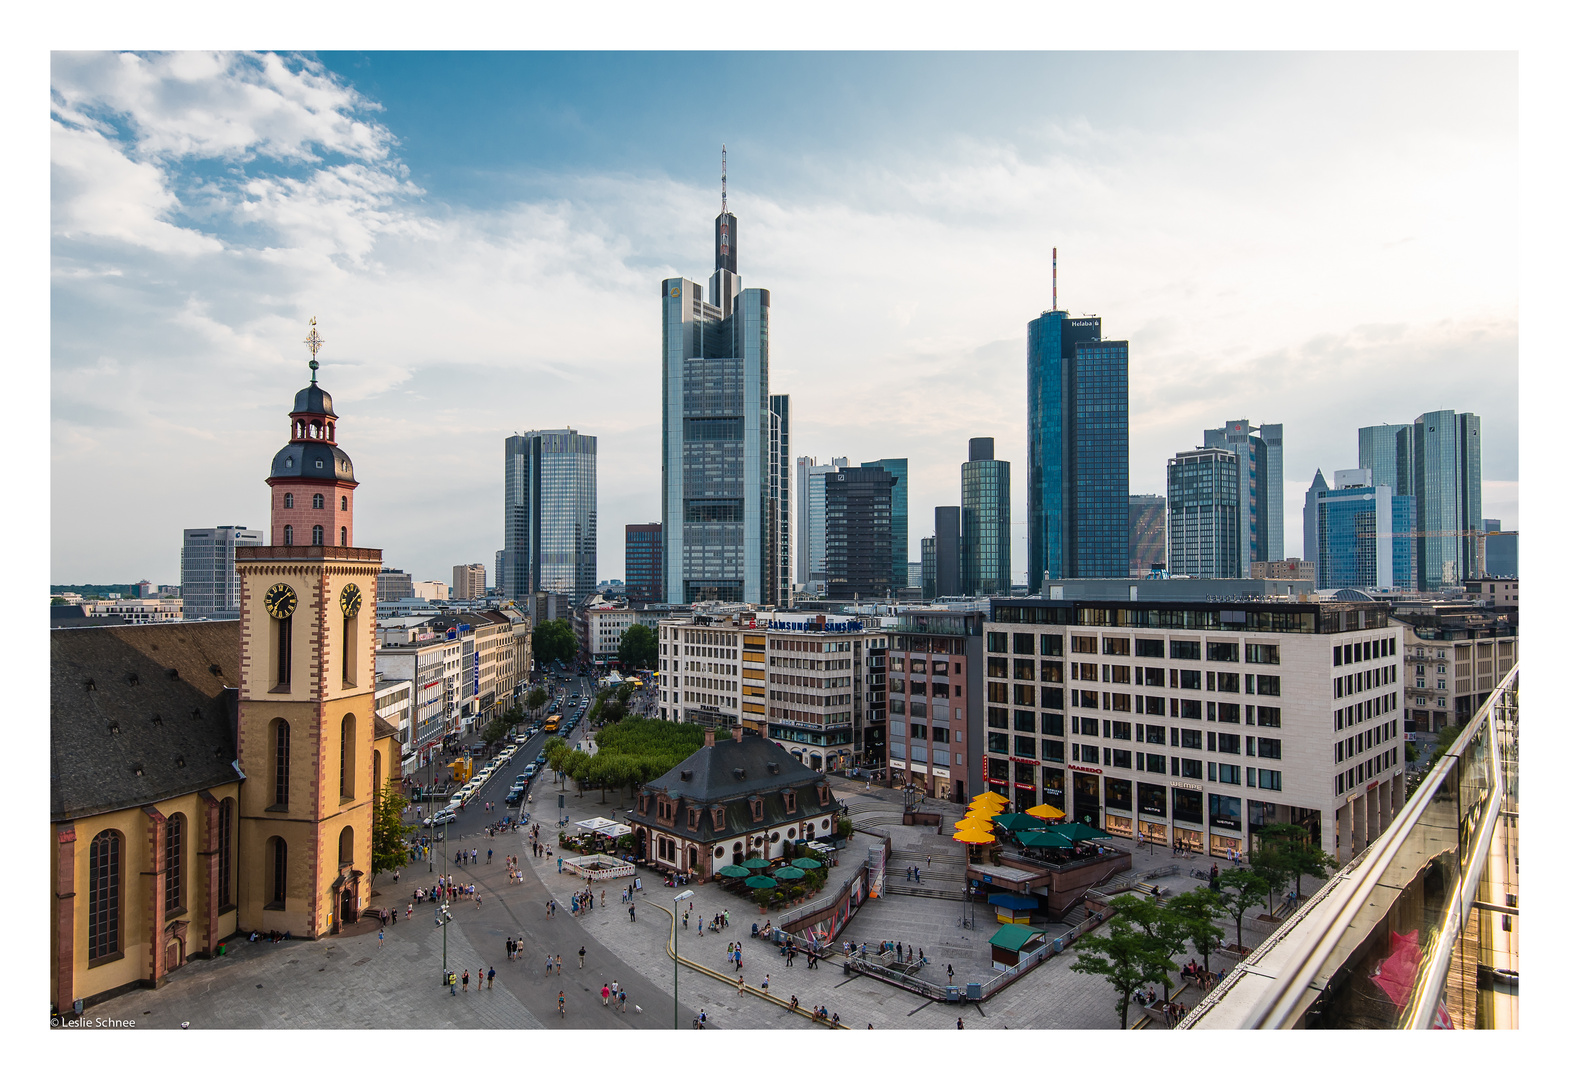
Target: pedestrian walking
581	953
740	985
488	853
561	969
765	980
561	1005
928	862
465	980
381	938
621	996
961	1023
604	994
632	911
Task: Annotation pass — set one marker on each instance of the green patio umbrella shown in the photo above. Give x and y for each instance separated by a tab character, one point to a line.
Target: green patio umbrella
1075	830
733	871
756	864
789	873
761	882
806	864
1044	840
1018	822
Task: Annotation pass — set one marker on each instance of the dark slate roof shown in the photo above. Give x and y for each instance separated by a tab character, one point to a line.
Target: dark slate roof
713	776
313	399
157	684
312	461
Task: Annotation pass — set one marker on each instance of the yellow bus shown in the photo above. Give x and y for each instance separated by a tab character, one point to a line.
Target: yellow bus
553	724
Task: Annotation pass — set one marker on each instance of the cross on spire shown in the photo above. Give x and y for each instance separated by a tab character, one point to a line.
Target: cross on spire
314	342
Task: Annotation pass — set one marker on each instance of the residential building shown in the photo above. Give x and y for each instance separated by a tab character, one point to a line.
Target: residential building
858	534
468	581
1364	535
1446	475
1501	553
811	521
1202	507
394	584
645	562
1260	516
552	514
717	430
1077	456
1195	723
209	584
1146	534
1310	517
1385	450
778	575
1451	665
899	469
986	534
936	690
432	663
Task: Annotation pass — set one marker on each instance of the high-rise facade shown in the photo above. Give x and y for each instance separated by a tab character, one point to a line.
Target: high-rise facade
858	508
1146	533
899	469
552	514
717	432
809	520
1446	476
948	551
394	584
1077	457
777	576
1385	450
468	581
986	536
209	584
645	561
1364	535
1202	507
1310	517
1261	516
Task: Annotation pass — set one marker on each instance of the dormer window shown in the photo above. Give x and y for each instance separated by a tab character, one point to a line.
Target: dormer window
789	801
691	818
719	819
757	809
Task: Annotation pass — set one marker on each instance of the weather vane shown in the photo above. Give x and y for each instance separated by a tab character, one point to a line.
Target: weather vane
314	342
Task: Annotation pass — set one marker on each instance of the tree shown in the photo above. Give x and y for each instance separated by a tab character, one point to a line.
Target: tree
1200	907
536	697
613	712
388	851
496	730
1240	890
1165	931
1123	956
639	649
624	693
1268	863
1292	848
554	640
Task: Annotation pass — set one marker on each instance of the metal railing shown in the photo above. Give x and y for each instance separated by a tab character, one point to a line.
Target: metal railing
1395	939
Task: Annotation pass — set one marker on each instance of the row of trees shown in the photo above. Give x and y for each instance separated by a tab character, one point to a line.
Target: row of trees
1144	936
631	752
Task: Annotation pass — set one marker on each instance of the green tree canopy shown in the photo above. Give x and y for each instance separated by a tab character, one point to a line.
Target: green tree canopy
555	640
1123	955
536	697
639	648
1200	907
1291	848
388	850
1238	891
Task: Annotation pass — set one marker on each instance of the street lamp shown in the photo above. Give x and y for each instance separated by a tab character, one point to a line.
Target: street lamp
675	939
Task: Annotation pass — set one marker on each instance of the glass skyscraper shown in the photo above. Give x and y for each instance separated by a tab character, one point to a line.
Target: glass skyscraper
551	518
1146	533
1385	450
1364	535
645	564
1203	498
1261	507
209	583
721	541
858	509
1446	475
809	520
1310	517
900	469
986	538
1077	467
777	575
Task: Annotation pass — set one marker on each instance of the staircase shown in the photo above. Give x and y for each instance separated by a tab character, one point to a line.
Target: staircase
944	879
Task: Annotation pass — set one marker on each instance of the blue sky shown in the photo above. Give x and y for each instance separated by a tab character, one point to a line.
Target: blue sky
1323	241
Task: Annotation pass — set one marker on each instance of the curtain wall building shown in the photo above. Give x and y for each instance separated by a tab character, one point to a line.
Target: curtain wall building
1310	517
1146	533
986	540
1260	509
1202	507
552	514
809	520
1446	475
858	508
1364	535
1385	450
645	563
209	583
899	469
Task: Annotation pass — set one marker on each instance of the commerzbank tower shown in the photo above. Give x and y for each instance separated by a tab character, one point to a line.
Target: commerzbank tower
725	475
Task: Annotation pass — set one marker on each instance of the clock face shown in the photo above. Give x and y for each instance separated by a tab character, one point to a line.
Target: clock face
349	601
280	601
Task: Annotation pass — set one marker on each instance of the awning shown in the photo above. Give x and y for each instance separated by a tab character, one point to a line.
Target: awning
1013	902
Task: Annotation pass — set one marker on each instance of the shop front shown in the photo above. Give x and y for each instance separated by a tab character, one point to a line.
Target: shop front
1053	792
1225	824
1119	806
1086	797
1187	839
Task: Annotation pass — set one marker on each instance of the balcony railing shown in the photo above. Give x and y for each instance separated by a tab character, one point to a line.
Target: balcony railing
1418	931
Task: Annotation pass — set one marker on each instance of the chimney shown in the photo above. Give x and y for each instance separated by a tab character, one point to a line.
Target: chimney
736	732
708	737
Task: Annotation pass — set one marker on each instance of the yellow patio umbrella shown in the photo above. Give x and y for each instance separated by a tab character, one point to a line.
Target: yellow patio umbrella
990	797
981	813
973	825
1046	813
967	836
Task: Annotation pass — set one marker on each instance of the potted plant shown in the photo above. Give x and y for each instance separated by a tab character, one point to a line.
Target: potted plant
763	898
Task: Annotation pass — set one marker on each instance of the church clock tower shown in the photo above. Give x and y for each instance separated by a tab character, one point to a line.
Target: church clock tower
307	739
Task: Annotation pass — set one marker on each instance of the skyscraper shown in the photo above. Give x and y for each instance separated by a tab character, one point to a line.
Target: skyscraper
1146	533
777	574
1202	507
858	508
1310	517
209	583
1364	535
899	468
552	514
468	581
1385	449
1077	457
645	564
948	551
718	428
1446	475
809	520
986	535
1260	508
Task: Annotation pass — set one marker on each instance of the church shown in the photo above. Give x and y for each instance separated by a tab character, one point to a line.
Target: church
215	778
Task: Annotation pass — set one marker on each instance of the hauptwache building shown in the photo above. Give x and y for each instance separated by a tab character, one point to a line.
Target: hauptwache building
208	779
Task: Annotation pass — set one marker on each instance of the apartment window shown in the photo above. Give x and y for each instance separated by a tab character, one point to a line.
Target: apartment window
996	667
1051	644
1090	752
996	718
1023	720
1337	655
996	642
1051	723
1051	671
1143	647
1229	774
173	864
1121	759
1189	680
1192	769
1192	739
1185	650
1024	669
1262	654
103	896
1223	652
1269	748
1155	734
1269	779
1155	763
1226	682
1227	743
1121	729
1024	644
1269	685
1051	750
1084	645
1115	646
1228	712
1024	746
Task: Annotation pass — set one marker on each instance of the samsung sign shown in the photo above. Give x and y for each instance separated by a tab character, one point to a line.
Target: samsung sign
826	627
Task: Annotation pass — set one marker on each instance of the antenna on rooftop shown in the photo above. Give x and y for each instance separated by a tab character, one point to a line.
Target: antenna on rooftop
1054	279
724	196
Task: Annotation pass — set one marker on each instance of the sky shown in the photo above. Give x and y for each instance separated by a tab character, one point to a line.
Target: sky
1323	240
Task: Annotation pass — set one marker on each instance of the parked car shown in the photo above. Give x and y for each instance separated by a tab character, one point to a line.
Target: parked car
440	818
528	773
514	797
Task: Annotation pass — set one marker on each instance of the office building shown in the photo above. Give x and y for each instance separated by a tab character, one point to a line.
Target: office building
1285	570
1501	553
552	514
1146	534
858	534
1310	517
1260	515
1446	478
394	584
1202	507
1194	724
1385	450
899	469
1077	456
1364	535
936	692
912	575
717	431
947	555
645	563
1492	525
501	572
778	580
209	584
430	590
810	521
1451	665
468	581
986	567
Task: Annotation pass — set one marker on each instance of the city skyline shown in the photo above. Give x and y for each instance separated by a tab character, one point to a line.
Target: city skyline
451	288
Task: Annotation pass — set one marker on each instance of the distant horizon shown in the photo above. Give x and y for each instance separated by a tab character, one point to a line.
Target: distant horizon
482	237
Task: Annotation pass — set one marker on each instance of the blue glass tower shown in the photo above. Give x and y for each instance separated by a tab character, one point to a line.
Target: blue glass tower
1446	477
1077	468
900	468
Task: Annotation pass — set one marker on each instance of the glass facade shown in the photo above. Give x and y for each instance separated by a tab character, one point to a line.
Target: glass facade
1146	533
1202	507
1386	450
899	468
810	520
552	514
777	575
645	563
1310	517
1261	520
209	584
985	532
859	533
1446	473
1077	433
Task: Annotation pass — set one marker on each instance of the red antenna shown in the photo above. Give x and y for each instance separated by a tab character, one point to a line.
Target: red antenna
724	197
1054	279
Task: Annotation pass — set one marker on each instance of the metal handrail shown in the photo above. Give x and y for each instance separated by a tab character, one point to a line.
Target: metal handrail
1281	1006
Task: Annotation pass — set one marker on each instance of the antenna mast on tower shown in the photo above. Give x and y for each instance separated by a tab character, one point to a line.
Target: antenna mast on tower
1054	279
724	197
